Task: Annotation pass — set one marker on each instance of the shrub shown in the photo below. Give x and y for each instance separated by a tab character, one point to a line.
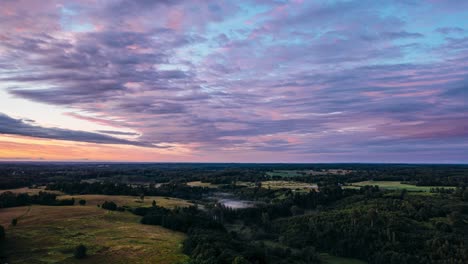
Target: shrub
2	233
80	251
82	202
109	206
14	221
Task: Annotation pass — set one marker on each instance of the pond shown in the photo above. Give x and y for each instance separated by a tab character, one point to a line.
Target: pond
236	204
230	201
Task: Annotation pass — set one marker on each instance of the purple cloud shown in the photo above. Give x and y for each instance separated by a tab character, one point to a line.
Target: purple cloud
293	78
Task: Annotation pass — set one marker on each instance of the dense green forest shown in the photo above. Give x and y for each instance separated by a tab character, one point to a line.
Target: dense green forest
280	225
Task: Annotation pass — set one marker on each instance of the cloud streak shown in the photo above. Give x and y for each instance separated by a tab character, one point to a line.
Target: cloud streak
12	126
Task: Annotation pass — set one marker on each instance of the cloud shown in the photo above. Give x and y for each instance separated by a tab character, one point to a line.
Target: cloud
118	133
450	30
11	126
247	77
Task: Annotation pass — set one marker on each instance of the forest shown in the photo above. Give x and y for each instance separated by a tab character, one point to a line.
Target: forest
264	213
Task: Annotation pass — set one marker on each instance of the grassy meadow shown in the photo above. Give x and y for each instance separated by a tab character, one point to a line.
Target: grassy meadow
288	185
48	234
285	173
329	259
30	191
393	185
202	184
130	201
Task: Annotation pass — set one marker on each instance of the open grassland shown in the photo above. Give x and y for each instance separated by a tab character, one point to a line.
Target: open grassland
329	259
297	173
30	191
202	184
293	185
288	185
131	201
285	173
48	234
394	185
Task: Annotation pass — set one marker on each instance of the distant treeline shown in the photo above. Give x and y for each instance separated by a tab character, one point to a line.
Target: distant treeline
26	174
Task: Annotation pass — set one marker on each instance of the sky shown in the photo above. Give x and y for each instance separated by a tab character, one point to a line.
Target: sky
234	81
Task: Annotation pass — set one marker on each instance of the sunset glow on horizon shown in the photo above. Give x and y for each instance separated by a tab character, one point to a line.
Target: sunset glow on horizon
234	81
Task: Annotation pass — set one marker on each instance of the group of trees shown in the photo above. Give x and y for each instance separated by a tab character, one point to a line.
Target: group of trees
209	242
175	189
2	242
371	224
111	206
10	199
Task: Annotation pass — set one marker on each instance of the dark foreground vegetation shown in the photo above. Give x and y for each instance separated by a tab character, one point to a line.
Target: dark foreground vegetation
282	225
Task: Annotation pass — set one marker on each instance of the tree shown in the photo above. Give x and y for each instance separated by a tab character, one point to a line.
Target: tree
372	214
82	202
455	219
240	260
403	194
142	197
310	255
2	233
80	251
154	203
266	220
109	206
296	210
465	195
14	221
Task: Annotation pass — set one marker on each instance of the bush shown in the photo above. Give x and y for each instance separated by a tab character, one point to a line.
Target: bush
82	202
80	251
14	221
109	206
2	233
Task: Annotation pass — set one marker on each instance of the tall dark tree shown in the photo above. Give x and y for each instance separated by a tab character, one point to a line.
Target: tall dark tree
2	233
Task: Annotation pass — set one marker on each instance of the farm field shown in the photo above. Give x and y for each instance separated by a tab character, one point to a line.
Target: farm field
393	185
202	184
286	173
297	173
329	259
288	185
275	185
48	234
131	201
31	191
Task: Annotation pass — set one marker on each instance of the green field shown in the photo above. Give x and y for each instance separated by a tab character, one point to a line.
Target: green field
48	234
202	184
297	173
131	201
329	259
393	185
289	185
285	173
30	191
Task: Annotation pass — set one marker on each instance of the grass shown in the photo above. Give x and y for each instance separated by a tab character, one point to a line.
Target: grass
202	184
329	259
285	173
297	173
30	191
48	234
393	185
131	201
288	185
